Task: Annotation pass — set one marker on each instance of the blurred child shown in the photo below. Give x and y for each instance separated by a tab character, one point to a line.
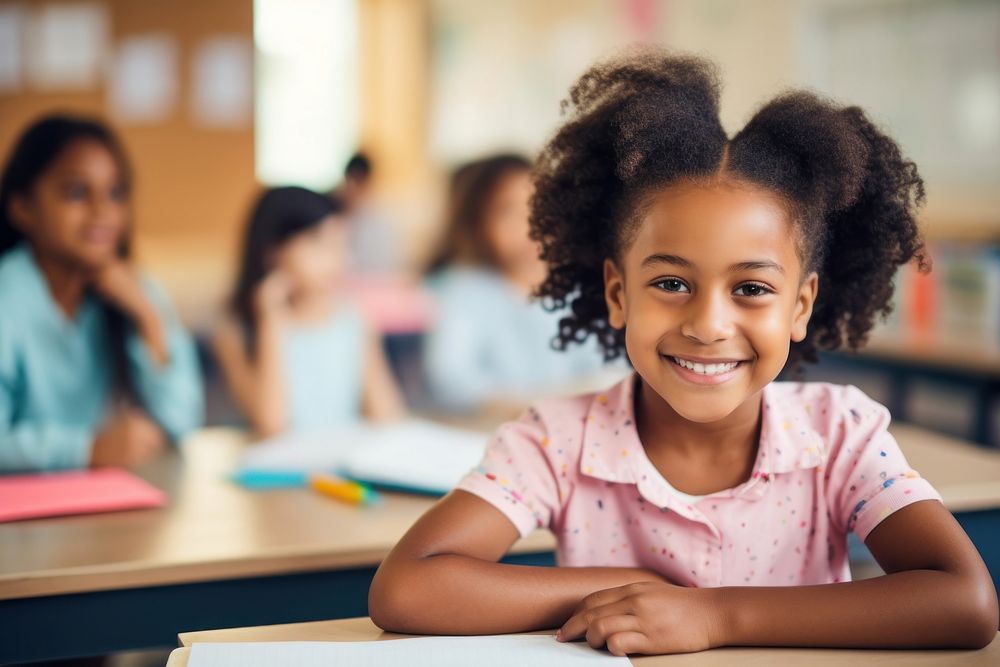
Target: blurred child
373	245
491	345
295	355
94	367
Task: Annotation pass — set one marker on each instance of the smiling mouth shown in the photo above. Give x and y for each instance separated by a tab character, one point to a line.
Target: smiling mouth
706	369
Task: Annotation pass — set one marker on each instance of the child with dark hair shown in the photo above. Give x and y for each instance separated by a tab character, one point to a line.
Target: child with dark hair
95	368
296	354
373	239
700	503
490	348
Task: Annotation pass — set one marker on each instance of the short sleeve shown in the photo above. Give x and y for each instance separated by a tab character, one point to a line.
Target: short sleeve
869	478
516	477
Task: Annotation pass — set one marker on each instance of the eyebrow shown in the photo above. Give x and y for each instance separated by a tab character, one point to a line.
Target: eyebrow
759	264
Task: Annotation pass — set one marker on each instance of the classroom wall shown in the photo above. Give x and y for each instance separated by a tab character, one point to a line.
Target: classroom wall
193	183
498	71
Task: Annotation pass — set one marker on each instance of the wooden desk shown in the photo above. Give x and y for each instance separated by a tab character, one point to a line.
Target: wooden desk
221	556
217	555
903	359
978	357
362	629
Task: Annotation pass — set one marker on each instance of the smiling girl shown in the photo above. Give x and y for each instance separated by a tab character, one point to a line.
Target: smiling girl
699	503
95	369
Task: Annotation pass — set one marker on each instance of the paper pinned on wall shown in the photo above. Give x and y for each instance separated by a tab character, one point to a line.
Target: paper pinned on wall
222	82
11	26
143	79
66	46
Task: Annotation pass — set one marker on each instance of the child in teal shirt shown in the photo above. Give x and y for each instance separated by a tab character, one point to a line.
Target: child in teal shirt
95	368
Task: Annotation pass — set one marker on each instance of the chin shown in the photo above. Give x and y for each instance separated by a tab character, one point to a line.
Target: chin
702	414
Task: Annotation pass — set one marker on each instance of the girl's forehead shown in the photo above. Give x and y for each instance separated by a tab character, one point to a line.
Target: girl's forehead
714	222
86	157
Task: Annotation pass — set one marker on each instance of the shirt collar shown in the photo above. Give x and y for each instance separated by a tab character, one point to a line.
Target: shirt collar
612	450
38	290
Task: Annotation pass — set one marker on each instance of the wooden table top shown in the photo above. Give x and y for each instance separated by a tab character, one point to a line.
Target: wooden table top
976	356
210	530
214	530
362	629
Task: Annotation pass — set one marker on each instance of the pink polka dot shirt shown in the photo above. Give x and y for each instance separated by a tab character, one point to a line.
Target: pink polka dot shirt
826	465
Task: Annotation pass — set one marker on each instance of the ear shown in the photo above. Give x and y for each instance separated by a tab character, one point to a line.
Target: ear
804	307
19	212
614	294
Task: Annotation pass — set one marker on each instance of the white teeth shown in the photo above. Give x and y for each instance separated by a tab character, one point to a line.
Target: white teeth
706	369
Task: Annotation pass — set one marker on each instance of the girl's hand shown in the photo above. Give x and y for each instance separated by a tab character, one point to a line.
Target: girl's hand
129	439
120	286
646	617
273	296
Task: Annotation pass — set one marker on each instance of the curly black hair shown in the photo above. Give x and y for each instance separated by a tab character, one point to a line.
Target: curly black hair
650	118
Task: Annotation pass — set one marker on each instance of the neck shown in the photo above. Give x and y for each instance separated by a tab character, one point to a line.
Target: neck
67	283
660	427
311	305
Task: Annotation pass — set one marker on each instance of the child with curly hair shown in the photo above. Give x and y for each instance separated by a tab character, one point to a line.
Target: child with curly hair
700	503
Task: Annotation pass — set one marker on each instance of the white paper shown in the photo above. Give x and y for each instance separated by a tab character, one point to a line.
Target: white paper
66	46
489	651
143	84
11	26
415	454
222	82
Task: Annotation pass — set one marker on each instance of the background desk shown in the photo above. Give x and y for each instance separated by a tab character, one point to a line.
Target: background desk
362	629
910	364
216	556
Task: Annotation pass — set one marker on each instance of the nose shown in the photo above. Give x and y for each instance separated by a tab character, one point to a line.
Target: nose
105	207
708	318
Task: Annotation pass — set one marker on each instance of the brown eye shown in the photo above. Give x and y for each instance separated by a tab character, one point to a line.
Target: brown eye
752	289
672	285
75	192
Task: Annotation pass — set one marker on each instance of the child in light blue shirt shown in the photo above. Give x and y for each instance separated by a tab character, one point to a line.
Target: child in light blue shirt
95	369
490	348
295	351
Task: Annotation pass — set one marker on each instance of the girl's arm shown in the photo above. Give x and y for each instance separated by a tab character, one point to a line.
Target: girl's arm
443	577
162	357
169	382
381	398
119	284
936	593
257	384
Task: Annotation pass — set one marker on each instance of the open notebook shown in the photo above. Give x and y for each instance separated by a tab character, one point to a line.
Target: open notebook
414	455
489	651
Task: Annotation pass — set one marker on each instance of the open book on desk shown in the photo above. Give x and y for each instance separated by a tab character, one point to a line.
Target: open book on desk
415	455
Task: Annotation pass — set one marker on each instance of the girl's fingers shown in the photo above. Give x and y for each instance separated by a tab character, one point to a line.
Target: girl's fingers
600	630
580	622
604	597
623	643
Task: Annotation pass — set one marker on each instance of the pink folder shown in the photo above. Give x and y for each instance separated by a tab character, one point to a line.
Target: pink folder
75	492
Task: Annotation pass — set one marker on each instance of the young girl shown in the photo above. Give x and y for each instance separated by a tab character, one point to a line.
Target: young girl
94	367
295	356
490	343
699	503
